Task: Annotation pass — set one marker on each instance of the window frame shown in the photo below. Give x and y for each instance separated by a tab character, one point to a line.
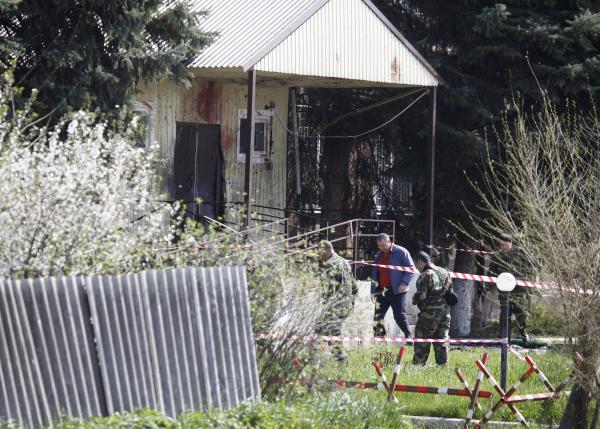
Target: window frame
146	111
263	117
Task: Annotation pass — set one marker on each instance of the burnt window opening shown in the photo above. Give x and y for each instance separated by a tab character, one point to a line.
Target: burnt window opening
262	135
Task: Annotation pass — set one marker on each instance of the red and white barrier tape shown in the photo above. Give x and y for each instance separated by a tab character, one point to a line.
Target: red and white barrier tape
371	340
482	278
481	252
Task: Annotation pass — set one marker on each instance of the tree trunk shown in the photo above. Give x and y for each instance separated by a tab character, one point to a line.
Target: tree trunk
576	412
465	289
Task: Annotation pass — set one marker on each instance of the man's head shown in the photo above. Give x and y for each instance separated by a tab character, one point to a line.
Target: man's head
325	250
384	243
421	260
505	241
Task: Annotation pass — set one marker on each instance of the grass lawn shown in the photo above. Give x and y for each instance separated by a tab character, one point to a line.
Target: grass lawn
556	367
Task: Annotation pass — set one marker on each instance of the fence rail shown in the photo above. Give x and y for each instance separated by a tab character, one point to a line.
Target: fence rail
93	346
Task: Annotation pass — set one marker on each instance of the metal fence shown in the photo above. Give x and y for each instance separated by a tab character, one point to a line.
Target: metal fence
171	340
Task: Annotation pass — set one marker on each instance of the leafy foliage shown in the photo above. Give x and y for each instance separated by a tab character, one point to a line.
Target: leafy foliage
488	51
69	194
92	53
544	191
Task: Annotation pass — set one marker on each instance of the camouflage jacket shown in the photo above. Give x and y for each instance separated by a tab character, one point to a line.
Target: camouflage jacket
337	281
431	287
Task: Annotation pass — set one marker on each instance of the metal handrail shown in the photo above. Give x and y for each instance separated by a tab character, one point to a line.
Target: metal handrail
337	225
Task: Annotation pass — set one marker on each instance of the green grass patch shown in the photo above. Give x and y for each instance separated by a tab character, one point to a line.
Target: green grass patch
556	367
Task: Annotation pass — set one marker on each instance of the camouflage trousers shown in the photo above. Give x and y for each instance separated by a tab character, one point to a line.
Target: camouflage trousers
330	323
518	307
432	325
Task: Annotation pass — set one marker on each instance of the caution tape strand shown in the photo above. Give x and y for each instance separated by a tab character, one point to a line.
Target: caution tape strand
482	278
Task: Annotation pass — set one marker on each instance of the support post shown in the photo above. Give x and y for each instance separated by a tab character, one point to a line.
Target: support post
296	144
248	140
431	165
504	320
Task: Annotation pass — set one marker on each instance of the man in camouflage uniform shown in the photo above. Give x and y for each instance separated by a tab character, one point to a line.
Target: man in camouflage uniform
434	316
506	259
338	291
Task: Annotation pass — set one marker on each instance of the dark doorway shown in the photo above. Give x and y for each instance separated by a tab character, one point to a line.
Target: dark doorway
197	168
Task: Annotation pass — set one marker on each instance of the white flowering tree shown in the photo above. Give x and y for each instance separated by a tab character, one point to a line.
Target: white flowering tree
68	195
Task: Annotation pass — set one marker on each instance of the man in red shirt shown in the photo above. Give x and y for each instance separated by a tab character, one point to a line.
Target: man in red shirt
389	287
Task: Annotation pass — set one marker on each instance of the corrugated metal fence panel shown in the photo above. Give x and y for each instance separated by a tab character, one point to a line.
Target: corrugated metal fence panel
48	365
173	340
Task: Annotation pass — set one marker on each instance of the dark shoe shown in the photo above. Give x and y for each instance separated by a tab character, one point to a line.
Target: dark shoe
342	359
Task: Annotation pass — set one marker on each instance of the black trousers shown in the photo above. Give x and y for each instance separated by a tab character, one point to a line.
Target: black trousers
382	304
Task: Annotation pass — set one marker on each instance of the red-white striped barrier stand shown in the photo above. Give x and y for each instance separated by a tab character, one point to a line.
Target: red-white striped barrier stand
418	389
487	279
392	396
377	340
402	388
542	377
313	377
475	392
381	375
503	396
463	380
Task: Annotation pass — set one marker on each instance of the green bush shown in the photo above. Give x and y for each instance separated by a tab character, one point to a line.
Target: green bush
337	410
544	319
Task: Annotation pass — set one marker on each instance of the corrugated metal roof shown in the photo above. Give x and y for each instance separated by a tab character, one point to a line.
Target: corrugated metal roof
247	26
345	39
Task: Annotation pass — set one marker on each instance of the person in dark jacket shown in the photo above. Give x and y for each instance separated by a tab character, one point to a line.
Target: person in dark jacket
388	286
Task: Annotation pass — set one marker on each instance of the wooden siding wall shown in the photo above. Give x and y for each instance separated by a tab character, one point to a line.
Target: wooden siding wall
217	102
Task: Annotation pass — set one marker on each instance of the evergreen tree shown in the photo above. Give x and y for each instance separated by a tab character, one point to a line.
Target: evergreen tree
488	52
91	53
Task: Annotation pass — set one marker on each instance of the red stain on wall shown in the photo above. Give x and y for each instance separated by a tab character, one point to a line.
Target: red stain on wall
209	102
228	139
395	70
